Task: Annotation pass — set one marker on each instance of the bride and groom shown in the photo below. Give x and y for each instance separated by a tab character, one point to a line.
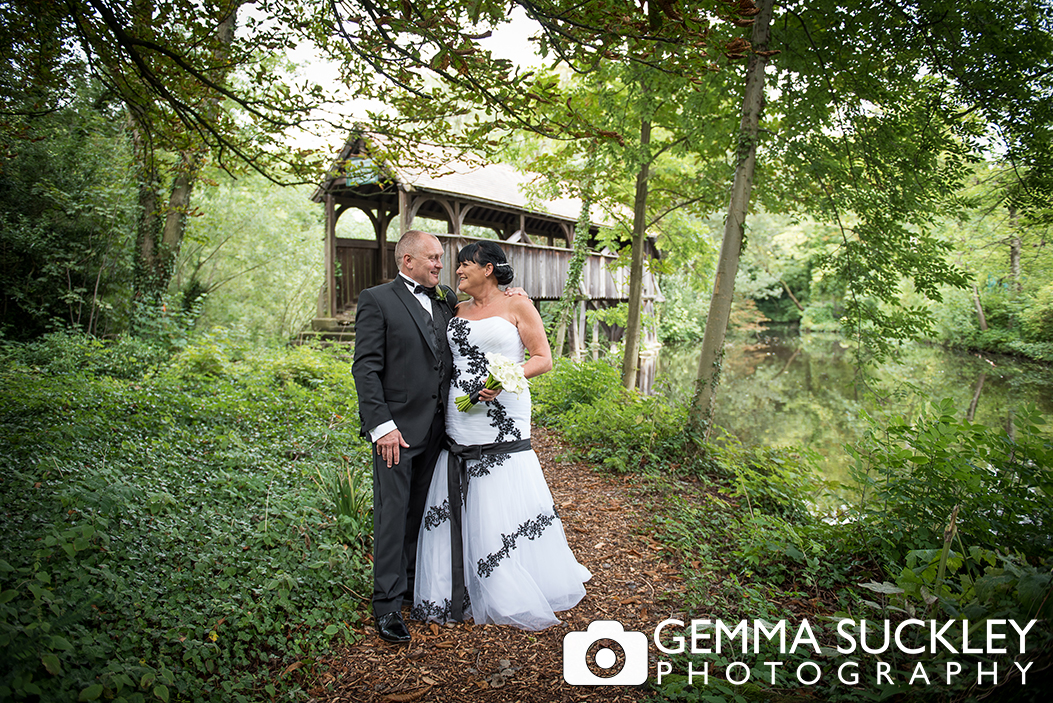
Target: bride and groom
464	523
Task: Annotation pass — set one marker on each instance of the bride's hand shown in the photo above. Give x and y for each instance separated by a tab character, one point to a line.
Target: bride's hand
488	394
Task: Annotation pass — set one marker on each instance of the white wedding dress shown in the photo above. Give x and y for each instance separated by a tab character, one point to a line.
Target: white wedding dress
518	568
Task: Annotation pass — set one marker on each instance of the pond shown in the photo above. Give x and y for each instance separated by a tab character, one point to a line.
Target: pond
784	388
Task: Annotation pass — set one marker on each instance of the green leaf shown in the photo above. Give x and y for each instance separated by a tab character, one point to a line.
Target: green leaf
161	692
52	664
885	588
332	629
1032	588
60	642
8	595
91	693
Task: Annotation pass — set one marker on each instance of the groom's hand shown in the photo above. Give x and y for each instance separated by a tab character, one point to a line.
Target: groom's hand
388	447
515	290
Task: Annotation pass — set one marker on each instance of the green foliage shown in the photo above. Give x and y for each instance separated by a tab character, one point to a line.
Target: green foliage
570	384
615	315
66	214
739	520
977	584
207	359
349	489
255	251
979	588
163	537
168	323
622	430
62	353
914	474
770	481
1037	318
1017	321
682	315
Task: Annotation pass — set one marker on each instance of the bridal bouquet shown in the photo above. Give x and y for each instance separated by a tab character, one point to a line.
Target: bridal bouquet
504	373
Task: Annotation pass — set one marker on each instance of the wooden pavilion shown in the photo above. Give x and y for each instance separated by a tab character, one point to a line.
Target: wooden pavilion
469	203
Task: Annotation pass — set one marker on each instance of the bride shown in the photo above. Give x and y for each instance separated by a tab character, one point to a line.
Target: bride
491	545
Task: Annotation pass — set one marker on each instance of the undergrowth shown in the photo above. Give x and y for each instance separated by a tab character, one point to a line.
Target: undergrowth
164	533
951	524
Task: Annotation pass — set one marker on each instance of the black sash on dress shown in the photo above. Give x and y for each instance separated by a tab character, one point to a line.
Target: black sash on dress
457	490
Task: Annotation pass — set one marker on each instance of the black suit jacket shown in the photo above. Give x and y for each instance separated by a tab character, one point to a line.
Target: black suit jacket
397	369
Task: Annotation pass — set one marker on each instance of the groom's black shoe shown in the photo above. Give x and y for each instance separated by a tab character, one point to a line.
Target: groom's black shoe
392	628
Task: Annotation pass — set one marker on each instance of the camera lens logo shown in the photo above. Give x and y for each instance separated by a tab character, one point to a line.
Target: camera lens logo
605	655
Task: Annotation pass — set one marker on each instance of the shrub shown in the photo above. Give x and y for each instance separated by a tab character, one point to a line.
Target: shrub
303	365
349	492
914	474
572	383
1037	319
165	540
69	352
206	359
622	430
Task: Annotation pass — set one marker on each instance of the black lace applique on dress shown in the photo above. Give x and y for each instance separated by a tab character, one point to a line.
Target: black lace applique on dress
505	426
477	368
489	461
437	515
429	610
531	529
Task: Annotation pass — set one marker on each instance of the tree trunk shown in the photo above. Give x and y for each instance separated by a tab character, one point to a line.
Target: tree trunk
1015	246
561	339
161	230
149	224
792	296
971	413
176	214
711	356
1014	262
631	360
979	309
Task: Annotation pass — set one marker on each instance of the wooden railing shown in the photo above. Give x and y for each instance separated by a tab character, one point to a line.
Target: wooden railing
540	270
358	268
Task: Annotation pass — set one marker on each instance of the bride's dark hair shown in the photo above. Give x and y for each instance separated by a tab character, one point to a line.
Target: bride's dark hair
486	252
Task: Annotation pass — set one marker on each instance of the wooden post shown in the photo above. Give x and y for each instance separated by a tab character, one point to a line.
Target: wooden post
595	340
328	307
580	336
405	224
572	335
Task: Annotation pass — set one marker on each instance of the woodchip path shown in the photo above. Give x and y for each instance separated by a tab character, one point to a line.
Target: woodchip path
606	525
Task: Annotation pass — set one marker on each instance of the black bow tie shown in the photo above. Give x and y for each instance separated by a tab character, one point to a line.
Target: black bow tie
430	292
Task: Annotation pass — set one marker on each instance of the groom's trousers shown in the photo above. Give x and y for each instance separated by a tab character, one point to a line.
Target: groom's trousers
400	494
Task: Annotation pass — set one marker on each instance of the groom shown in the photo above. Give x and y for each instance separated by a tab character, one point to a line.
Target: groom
402	374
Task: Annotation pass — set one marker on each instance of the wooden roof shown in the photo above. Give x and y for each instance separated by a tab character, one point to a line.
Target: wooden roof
499	191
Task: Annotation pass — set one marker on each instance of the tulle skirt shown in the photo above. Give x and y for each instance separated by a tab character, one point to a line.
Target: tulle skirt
518	567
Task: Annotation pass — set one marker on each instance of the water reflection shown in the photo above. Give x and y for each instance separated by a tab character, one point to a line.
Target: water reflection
781	388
